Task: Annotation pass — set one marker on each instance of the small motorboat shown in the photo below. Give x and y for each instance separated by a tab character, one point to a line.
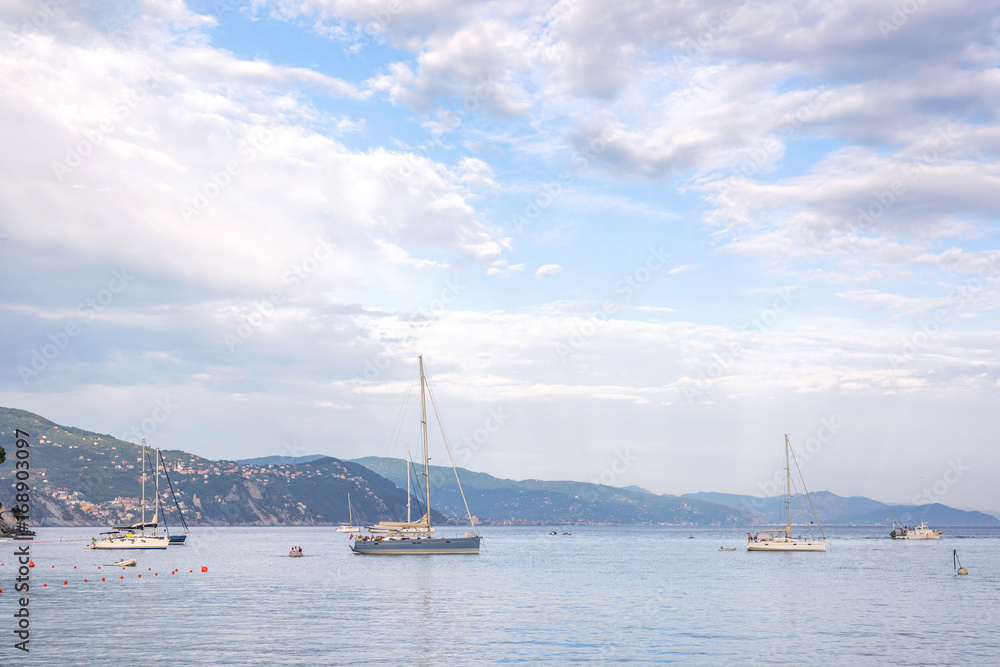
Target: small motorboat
567	533
126	563
552	532
727	549
295	553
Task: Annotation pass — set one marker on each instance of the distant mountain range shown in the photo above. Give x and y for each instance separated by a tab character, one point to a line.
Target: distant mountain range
85	478
503	501
855	510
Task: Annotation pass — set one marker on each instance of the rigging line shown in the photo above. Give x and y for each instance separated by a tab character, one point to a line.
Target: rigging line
172	494
397	427
805	517
450	457
808	497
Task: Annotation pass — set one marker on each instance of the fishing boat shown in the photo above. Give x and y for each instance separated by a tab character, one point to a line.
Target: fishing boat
780	539
414	537
134	536
349	527
921	532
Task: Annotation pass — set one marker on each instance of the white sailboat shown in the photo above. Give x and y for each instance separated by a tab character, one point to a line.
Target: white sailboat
414	537
921	532
780	539
349	527
134	536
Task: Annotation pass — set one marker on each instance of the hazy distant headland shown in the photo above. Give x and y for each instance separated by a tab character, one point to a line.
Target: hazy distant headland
84	478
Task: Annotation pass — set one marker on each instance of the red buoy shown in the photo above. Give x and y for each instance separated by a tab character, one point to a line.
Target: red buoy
204	568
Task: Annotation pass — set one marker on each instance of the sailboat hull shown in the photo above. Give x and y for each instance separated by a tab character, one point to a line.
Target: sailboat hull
137	542
425	546
790	545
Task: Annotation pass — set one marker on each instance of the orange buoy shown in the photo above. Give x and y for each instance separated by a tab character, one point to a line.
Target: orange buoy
156	574
31	563
204	568
65	582
140	576
98	567
44	585
122	576
84	581
74	567
102	578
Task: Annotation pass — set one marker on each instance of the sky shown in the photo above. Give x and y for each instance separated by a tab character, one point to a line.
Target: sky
635	244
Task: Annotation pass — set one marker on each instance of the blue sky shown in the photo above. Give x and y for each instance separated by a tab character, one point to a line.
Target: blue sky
669	232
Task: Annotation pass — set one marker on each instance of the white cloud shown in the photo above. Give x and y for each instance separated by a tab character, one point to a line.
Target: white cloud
683	268
547	270
393	254
504	269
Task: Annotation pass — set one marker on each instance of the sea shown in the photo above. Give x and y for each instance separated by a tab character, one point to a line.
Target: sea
588	595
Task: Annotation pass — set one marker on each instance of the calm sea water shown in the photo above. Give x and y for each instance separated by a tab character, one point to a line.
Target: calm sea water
601	595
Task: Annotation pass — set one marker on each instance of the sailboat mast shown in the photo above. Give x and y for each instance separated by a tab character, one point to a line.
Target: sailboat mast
788	479
156	506
423	423
143	503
